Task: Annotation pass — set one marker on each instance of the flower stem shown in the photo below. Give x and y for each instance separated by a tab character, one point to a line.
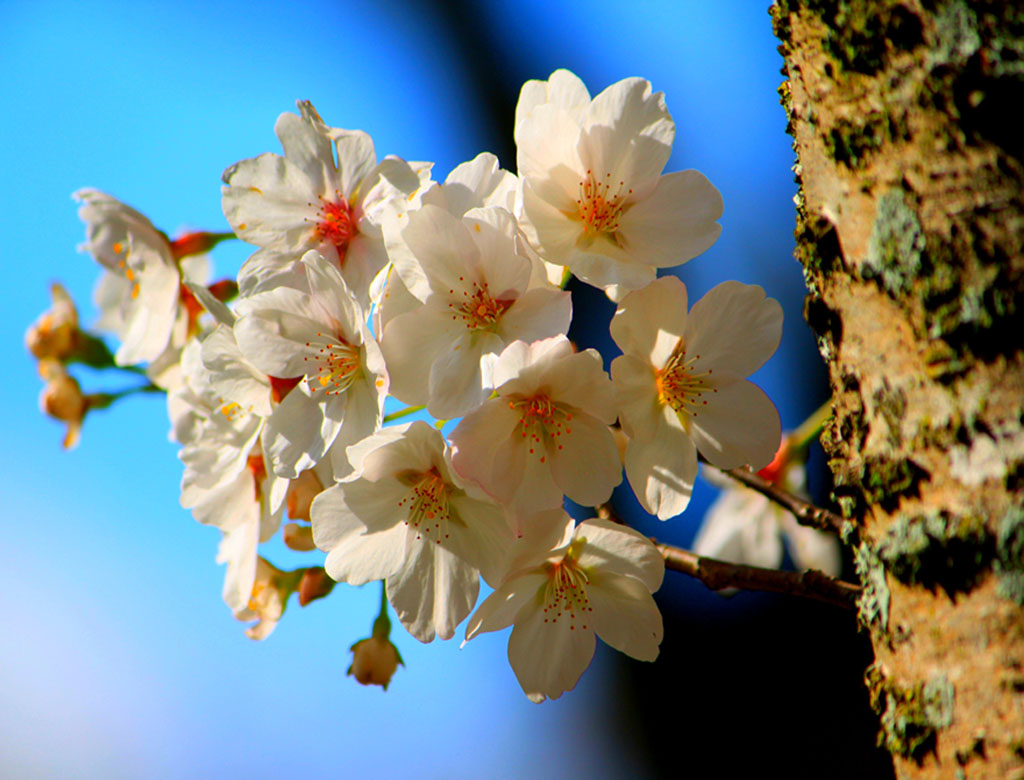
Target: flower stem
403	413
103	400
810	429
382	625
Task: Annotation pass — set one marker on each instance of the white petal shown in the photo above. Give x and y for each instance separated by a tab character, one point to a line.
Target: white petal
662	469
548	657
309	148
811	548
660	307
675	223
734	328
619	549
588	466
738	426
502	606
299	432
434	591
625	616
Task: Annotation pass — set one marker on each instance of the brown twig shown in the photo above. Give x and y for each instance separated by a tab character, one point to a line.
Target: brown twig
716	574
811	584
805	512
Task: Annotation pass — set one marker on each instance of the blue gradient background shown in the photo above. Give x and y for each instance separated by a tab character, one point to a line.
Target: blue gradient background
117	657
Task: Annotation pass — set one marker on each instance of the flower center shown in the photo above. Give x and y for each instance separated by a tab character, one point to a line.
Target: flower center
680	386
336	364
477	309
565	596
427	504
601	203
336	224
543	423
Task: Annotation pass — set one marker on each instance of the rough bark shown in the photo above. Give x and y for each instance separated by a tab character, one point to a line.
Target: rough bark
910	228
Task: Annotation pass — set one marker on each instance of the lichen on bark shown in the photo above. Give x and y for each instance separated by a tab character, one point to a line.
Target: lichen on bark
910	230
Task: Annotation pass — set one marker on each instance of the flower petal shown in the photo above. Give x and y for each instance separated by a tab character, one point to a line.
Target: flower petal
738	426
734	328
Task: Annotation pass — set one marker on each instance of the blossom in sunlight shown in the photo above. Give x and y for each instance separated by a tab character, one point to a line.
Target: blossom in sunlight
744	526
268	599
475	301
594	197
545	432
319	338
403	516
325	194
681	386
140	296
565	585
225	483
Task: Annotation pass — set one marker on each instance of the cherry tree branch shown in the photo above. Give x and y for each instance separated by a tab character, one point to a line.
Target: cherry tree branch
805	512
716	574
810	584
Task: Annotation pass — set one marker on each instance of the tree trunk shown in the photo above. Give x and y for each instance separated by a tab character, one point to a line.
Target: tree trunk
910	227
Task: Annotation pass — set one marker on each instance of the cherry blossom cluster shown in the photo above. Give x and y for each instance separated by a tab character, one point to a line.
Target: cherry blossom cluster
371	279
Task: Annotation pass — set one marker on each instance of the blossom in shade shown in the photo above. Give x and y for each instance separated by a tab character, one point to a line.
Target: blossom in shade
594	198
565	585
681	387
403	516
744	526
545	432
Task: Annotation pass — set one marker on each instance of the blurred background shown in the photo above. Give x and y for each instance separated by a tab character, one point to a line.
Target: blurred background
117	657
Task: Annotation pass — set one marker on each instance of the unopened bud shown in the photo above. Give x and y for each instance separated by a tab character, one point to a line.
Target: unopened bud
62	399
315	584
196	243
301	492
55	335
299	537
374	661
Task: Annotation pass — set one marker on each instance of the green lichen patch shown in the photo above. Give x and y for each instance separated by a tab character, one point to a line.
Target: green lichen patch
891	405
938	550
1010	555
886	480
852	142
873	602
895	255
955	37
910	716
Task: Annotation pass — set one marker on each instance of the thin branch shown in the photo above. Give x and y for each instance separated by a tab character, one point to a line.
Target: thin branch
716	574
810	584
805	512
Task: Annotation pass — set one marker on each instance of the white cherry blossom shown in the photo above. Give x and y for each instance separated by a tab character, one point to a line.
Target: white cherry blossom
310	199
140	291
744	526
320	340
681	386
594	197
545	432
564	586
404	517
475	301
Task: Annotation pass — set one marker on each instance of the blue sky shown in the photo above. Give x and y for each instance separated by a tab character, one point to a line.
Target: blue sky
117	658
